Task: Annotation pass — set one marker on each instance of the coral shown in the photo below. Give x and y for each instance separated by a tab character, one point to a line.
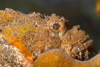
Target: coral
57	58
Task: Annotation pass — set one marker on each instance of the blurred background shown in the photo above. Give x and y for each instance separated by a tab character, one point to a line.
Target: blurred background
85	13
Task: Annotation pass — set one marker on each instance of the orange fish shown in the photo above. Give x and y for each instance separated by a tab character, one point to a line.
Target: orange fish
34	34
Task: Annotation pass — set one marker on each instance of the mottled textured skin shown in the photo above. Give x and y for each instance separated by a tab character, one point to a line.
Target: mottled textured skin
34	34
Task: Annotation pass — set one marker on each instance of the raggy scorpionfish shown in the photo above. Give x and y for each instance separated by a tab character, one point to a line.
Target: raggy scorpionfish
34	34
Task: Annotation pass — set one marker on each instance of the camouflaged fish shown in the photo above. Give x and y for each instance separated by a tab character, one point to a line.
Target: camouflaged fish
34	34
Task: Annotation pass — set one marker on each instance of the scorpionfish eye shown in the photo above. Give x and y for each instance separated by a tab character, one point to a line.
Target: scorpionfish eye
58	24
